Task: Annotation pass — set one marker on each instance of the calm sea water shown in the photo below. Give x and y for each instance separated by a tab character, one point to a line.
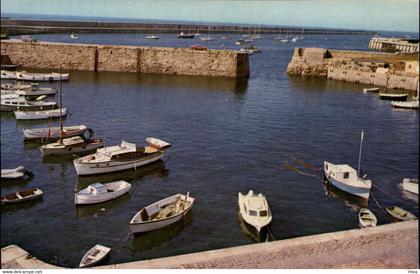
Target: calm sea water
270	133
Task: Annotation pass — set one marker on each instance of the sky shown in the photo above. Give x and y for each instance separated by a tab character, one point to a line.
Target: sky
378	15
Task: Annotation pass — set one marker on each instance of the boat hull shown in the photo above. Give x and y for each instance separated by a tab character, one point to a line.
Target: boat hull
70	150
406	105
154	225
362	192
26	107
39	115
42	77
112	166
80	199
53	132
393	97
410	186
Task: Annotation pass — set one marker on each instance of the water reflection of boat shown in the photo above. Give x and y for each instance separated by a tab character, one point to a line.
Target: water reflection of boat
154	169
352	201
99	209
251	232
155	238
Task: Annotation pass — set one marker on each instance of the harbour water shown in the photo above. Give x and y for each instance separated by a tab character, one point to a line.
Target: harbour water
270	133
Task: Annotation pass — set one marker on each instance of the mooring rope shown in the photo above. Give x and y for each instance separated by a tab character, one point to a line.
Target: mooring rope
122	242
271	235
392	196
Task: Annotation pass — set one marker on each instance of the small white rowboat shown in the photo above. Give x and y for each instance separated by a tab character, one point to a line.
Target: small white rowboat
162	213
94	255
21	196
400	214
366	90
99	193
367	218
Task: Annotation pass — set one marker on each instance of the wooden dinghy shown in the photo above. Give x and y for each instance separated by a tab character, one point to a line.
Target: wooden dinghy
99	193
393	96
94	255
367	218
15	173
400	214
162	213
21	196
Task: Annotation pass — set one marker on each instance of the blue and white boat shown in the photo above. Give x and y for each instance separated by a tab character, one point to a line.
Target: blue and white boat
347	179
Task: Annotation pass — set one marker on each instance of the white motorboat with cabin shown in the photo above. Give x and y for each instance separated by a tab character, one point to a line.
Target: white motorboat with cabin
94	255
53	76
99	193
40	114
71	145
254	210
411	185
116	158
400	214
15	173
12	102
55	132
73	36
347	179
162	213
367	218
21	196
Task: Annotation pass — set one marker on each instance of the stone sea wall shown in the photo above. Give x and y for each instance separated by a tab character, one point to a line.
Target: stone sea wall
92	57
379	69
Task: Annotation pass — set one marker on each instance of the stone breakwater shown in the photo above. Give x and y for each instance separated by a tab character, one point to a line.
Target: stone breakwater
397	71
91	57
16	27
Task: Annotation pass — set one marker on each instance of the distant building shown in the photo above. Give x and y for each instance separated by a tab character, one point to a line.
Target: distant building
405	45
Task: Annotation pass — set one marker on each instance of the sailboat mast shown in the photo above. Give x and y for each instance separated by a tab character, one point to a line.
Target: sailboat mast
61	116
360	155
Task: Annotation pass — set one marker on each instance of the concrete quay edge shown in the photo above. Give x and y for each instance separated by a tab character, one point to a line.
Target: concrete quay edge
14	257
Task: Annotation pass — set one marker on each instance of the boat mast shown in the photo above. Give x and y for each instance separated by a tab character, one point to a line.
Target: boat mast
360	155
61	116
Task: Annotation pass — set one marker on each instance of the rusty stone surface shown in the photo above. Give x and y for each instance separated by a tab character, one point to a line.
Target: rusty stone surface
185	61
355	66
